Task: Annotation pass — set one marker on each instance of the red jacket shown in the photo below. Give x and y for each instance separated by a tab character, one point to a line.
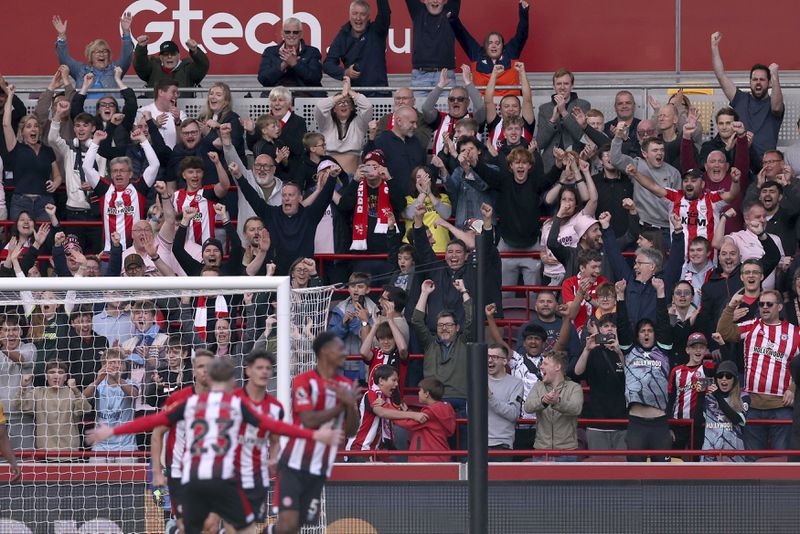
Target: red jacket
431	435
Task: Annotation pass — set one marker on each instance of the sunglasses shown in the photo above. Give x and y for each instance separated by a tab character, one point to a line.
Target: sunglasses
766	304
725	376
456	98
292	32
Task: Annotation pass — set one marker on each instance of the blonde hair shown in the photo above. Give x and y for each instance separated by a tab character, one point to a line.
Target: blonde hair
94	45
227	106
23	121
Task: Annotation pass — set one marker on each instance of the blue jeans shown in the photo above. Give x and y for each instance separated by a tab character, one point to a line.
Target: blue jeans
33	204
764	437
429	79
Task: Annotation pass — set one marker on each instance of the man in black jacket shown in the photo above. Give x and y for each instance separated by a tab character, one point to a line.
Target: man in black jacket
292	63
212	247
359	49
457	265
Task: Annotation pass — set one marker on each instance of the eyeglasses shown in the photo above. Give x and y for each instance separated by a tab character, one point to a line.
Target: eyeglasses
445	325
266	166
606	297
496	357
649	131
456	98
637	262
292	32
191	132
766	304
752	273
725	376
106	105
321	145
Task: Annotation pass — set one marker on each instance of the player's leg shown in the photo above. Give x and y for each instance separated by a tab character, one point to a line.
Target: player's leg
288	496
211	524
176	499
195	508
232	506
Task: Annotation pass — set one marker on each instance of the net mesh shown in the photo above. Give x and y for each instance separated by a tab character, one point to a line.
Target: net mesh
59	377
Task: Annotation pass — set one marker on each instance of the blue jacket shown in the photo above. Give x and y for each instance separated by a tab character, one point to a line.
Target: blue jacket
102	78
640	298
367	53
511	50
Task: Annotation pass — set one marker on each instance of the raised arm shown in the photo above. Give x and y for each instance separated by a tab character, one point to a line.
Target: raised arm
92	176
776	94
488	94
719	69
514	47
719	229
478	105
732	194
8	131
527	94
645	181
472	48
726	326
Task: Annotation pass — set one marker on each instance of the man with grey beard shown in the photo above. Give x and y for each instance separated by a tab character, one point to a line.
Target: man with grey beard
262	178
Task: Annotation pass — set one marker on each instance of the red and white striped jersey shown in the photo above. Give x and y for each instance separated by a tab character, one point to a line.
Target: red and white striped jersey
372	430
684	383
698	216
768	351
252	454
202	226
497	135
176	438
312	392
447	125
120	210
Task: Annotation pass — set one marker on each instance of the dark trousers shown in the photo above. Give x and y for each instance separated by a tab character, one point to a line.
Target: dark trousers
648	433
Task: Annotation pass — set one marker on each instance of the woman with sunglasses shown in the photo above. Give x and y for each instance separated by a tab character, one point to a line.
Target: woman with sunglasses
721	413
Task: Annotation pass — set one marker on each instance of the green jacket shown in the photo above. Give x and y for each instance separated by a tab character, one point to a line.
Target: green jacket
452	371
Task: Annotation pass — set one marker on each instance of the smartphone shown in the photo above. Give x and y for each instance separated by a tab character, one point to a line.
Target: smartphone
362	299
604	339
705	381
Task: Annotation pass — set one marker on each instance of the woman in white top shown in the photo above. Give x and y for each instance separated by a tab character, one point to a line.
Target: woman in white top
574	186
344	120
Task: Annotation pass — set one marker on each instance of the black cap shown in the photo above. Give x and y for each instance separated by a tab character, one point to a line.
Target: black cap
169	47
693	173
213	242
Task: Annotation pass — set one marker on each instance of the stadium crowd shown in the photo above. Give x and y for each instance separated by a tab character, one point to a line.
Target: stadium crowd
699	322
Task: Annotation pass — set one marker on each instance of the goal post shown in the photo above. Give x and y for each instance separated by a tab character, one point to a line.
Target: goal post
89	289
293	317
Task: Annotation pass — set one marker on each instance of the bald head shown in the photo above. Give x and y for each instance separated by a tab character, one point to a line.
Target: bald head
405	121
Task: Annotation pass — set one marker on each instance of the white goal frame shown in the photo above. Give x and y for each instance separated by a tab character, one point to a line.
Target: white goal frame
279	284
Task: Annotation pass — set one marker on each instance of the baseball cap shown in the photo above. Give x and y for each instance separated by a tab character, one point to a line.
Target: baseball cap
696	338
693	173
133	260
169	47
326	164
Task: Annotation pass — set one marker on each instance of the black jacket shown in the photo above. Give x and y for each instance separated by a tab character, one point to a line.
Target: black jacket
367	53
307	72
192	267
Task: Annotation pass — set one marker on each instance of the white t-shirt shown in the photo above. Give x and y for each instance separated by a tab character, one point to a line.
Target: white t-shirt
169	130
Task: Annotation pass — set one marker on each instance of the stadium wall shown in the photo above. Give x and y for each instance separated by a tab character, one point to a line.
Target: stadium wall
585	35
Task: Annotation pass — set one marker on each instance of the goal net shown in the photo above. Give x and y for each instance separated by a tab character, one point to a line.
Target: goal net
80	351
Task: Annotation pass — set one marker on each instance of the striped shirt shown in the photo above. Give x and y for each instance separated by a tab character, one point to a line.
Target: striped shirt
698	216
252	454
768	351
312	392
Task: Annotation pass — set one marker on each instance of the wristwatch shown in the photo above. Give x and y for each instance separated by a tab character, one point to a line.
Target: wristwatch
364	323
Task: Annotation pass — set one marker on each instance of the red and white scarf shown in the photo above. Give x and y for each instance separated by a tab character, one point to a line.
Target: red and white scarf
285	117
497	135
201	314
361	217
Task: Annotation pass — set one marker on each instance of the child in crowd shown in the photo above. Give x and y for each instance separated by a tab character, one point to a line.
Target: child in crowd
377	413
350	316
113	394
57	408
391	350
432	434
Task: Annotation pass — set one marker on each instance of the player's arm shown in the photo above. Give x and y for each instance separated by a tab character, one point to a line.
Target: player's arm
328	436
8	453
156	445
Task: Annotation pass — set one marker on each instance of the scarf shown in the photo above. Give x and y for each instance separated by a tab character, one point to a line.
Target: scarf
361	216
201	314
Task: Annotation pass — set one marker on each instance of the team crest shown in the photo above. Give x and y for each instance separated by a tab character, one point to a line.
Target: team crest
784	337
